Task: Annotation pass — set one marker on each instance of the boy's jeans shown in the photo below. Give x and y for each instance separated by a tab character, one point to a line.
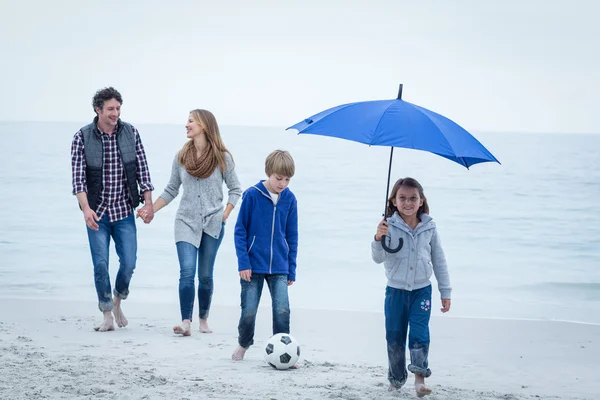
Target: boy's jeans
404	308
251	291
124	234
201	258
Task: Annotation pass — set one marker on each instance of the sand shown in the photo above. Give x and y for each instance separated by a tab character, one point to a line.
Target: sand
49	350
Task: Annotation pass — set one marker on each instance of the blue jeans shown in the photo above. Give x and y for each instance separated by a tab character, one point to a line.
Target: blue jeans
203	259
403	309
250	297
124	234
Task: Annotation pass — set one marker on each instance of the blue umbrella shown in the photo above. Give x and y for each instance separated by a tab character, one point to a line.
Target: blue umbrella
397	123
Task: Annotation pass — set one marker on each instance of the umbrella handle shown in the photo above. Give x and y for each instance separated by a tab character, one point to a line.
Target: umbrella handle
390	250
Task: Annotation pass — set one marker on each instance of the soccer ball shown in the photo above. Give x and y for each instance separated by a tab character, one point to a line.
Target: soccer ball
282	351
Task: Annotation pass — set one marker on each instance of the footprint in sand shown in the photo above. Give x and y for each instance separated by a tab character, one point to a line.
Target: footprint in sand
24	339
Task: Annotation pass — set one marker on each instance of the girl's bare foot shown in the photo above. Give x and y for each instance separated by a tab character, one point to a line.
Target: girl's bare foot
107	324
204	326
183	329
238	354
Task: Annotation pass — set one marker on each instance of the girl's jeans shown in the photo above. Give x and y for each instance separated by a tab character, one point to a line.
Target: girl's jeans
403	309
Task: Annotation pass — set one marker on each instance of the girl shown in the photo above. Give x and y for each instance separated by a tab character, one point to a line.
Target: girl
408	291
201	167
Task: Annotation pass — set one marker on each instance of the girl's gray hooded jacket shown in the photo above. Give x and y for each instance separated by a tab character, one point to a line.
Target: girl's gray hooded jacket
422	254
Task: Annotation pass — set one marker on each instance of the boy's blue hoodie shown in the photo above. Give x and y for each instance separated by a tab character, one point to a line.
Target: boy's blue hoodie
266	235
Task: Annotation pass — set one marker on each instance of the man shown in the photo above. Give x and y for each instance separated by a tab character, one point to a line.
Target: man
110	179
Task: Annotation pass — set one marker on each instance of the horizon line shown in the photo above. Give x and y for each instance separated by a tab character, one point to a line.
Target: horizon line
484	131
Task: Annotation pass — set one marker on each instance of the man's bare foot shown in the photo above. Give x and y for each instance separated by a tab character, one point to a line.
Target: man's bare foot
238	354
107	324
183	329
118	312
422	390
391	388
204	326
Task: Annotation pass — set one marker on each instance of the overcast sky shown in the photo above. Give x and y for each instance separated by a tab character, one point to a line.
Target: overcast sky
524	66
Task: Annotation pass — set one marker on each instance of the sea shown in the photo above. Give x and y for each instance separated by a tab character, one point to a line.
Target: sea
522	238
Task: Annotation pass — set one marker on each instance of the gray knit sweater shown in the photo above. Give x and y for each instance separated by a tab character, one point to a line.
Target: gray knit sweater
201	207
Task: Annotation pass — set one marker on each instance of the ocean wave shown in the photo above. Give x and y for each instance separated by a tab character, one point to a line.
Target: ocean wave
580	290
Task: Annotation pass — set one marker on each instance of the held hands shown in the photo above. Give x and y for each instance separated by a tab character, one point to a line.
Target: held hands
445	305
90	218
146	213
382	230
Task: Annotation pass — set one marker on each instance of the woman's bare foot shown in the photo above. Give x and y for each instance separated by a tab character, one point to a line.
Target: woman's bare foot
118	312
238	354
183	329
204	326
107	324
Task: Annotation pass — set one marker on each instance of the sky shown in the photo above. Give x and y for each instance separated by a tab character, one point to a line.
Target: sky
500	66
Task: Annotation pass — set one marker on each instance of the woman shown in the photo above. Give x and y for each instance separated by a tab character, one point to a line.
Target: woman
201	167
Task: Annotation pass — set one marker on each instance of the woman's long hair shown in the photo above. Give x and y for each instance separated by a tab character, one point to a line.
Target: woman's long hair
216	148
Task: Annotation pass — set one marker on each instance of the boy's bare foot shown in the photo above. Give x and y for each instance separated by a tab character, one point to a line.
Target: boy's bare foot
204	326
118	312
391	388
238	354
183	329
422	390
107	324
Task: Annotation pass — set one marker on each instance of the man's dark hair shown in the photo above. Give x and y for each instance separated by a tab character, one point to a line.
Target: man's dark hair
104	95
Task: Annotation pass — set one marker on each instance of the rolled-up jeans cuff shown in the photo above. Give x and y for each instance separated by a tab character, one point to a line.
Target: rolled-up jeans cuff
395	382
105	306
424	372
245	345
122	296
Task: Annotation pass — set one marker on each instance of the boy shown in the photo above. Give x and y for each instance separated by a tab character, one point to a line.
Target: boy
266	244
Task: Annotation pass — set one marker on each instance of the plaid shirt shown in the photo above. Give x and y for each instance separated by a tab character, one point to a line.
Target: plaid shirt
114	197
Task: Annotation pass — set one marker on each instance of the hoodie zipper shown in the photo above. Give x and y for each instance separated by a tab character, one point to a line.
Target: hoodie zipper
272	235
272	224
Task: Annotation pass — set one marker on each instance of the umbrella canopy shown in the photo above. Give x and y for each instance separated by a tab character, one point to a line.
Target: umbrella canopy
397	123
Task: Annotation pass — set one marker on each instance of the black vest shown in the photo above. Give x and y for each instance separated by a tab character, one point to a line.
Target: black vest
94	159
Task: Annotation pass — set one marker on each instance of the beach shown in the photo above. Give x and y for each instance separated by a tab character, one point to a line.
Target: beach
524	320
520	236
49	350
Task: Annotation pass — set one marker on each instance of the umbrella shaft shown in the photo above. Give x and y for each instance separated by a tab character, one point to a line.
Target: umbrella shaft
387	191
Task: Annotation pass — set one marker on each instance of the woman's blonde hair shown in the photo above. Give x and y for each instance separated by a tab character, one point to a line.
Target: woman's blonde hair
208	122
